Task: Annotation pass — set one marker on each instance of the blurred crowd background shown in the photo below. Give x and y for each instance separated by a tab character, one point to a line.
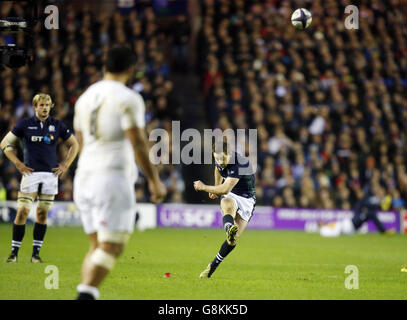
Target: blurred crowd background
329	103
71	58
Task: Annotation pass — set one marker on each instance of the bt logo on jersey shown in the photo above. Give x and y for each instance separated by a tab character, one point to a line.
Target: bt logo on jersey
47	139
37	138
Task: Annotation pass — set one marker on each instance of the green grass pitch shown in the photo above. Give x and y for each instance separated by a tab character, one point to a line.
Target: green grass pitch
265	265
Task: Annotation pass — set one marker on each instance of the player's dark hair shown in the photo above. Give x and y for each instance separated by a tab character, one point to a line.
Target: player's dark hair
119	59
220	146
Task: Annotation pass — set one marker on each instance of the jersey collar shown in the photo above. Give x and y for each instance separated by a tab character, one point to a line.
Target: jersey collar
38	120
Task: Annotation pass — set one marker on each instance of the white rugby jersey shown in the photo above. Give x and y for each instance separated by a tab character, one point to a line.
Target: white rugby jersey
102	113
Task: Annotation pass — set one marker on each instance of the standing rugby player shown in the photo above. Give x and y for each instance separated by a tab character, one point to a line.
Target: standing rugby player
237	191
40	169
109	122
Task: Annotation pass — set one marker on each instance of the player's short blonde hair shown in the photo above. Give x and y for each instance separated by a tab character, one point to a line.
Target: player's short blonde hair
42	96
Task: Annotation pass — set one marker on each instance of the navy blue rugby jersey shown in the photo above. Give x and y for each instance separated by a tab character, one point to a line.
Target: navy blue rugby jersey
40	141
242	169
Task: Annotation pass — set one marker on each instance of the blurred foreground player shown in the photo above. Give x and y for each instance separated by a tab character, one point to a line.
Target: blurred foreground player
109	122
238	197
364	211
40	169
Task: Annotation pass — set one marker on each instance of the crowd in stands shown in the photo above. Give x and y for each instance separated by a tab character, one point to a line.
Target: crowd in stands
329	103
69	60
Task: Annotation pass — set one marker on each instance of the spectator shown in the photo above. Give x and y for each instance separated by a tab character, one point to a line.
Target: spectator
180	33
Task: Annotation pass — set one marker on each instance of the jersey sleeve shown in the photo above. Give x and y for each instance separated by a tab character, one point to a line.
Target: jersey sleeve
18	129
133	113
233	172
64	133
240	168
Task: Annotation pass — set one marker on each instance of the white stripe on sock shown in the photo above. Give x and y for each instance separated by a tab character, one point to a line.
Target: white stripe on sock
219	257
15	243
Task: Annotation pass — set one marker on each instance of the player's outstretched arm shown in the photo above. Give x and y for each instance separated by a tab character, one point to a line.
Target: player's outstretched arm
8	146
70	157
138	139
221	189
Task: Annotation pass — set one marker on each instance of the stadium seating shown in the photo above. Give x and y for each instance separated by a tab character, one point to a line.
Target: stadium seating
329	104
68	61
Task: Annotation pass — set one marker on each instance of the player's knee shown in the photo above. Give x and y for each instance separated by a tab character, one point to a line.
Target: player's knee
113	242
227	202
42	216
45	202
114	249
23	212
103	259
228	206
24	205
21	216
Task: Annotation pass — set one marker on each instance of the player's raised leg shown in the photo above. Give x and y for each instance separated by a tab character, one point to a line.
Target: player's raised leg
45	202
24	205
229	209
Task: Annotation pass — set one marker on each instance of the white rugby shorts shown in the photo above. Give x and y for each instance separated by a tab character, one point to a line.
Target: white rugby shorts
30	183
245	206
106	201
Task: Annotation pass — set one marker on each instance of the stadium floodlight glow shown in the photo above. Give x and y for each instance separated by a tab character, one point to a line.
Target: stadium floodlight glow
13	57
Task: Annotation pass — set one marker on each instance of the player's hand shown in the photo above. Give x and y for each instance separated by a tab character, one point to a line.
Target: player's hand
158	191
199	185
24	169
61	171
213	196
